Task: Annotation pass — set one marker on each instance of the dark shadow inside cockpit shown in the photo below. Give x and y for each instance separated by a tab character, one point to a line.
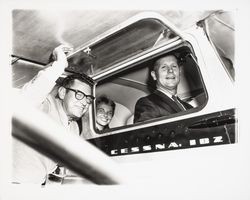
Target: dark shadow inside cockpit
126	87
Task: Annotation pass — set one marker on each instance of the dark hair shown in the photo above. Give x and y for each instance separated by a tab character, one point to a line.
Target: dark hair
105	100
181	56
153	68
68	81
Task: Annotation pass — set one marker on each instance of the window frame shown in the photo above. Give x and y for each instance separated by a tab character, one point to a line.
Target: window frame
86	47
157	121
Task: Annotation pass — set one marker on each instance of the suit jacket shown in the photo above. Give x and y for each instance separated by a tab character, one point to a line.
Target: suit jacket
156	105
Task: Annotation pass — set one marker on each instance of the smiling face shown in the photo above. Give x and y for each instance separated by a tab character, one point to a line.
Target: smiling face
104	115
167	73
73	107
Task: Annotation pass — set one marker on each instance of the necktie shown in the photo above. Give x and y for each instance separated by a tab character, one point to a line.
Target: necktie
178	102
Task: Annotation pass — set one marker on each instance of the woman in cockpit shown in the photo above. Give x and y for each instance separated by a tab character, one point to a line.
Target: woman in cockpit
105	109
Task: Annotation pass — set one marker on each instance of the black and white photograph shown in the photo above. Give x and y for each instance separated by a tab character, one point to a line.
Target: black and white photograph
113	103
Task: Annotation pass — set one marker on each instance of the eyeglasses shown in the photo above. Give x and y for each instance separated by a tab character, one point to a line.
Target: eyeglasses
101	111
80	95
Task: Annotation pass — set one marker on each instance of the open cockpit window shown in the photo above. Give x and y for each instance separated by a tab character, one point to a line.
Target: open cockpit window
125	89
130	39
129	42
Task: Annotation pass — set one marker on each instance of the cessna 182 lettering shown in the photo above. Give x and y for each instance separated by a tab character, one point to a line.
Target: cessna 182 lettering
119	61
163	146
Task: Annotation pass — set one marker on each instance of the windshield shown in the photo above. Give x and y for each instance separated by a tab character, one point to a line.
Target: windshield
220	29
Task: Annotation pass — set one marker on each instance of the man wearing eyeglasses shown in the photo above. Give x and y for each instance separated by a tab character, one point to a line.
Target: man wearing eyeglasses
65	103
72	101
69	100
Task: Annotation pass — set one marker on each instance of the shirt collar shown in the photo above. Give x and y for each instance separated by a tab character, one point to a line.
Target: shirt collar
165	92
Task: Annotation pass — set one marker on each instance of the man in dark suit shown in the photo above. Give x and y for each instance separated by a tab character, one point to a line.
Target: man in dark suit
164	100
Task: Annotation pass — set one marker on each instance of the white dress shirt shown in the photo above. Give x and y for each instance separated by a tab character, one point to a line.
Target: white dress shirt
29	166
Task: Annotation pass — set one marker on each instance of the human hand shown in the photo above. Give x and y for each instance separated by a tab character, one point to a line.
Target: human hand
60	52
